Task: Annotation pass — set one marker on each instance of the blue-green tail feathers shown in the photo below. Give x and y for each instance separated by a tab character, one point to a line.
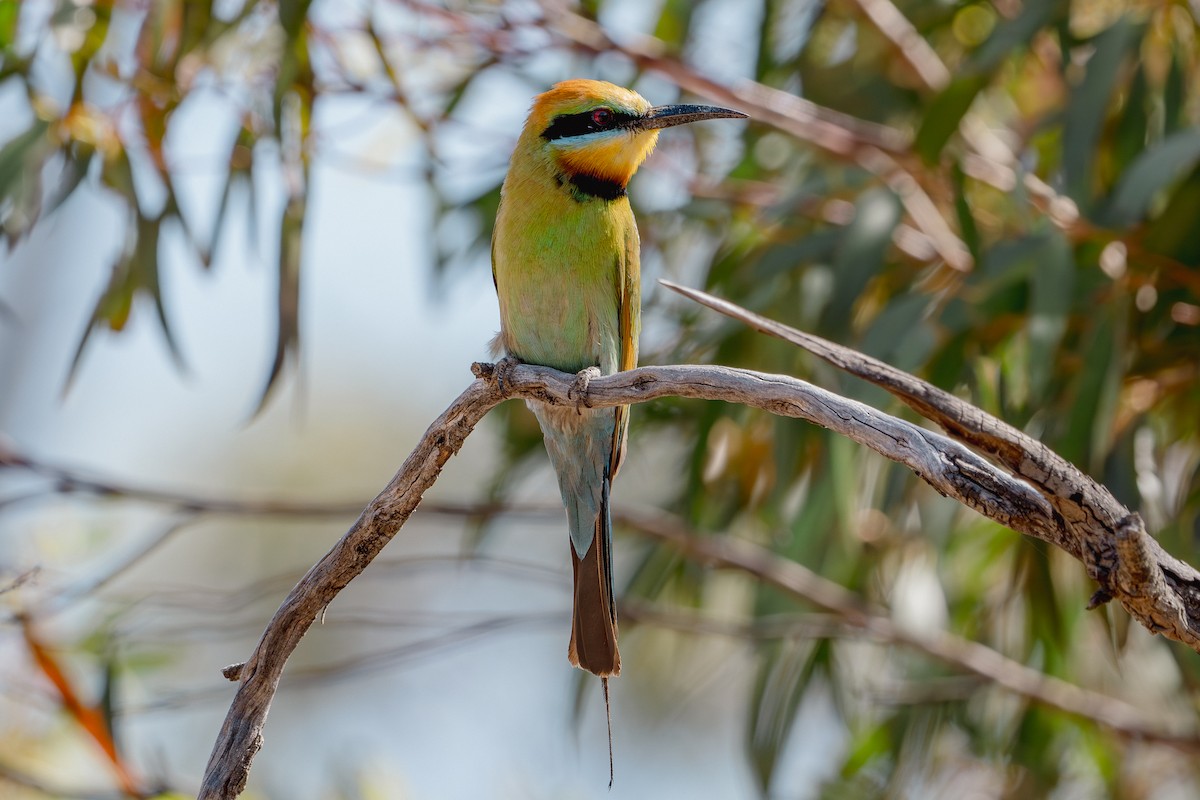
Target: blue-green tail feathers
580	445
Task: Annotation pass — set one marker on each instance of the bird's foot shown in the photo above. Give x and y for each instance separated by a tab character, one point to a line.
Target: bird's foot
579	389
497	372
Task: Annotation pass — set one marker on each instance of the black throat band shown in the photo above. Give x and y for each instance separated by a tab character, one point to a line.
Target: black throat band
587	187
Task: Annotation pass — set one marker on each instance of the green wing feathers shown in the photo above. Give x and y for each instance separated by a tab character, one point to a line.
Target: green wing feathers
629	310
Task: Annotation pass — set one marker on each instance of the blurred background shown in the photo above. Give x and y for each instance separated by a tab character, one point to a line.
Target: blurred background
244	263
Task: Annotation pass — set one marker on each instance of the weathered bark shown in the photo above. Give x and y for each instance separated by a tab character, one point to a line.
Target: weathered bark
1024	486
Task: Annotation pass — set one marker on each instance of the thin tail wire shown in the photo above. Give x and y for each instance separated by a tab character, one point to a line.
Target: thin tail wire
606	510
608	714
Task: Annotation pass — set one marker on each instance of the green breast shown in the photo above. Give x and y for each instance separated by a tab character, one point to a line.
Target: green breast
557	264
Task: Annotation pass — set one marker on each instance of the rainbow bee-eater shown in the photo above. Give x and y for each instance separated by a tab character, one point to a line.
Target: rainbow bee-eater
566	269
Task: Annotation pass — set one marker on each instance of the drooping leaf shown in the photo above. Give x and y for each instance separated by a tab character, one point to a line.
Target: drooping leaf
146	265
197	26
1016	33
1052	286
78	161
20	181
860	257
10	14
94	36
108	701
868	745
1173	232
966	218
1089	431
1088	105
787	257
287	337
674	21
19	151
1174	95
294	77
1043	615
942	117
1152	171
239	173
891	335
1129	136
135	273
784	672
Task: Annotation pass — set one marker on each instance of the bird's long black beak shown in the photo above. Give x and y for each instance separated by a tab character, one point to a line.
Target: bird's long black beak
670	116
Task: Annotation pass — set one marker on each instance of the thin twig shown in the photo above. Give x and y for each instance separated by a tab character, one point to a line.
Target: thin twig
30	783
973	657
909	44
70	480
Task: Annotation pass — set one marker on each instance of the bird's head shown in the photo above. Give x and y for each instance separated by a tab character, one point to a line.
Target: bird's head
594	131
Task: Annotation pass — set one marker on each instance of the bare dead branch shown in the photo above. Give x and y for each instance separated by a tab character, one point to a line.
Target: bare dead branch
69	480
30	783
948	466
22	578
909	44
1157	589
241	734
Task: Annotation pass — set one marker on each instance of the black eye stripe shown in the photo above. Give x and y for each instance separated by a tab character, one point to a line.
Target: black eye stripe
581	124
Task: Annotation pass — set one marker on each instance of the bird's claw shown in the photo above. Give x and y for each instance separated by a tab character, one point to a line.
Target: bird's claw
579	389
501	370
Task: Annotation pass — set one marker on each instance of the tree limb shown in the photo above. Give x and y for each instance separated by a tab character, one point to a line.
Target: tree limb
952	469
1085	519
241	733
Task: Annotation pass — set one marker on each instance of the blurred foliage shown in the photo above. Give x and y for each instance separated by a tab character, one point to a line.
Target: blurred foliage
1008	210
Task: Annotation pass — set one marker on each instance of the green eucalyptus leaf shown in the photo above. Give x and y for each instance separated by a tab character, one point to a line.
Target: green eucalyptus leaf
1174	94
10	14
1129	137
966	219
861	255
287	306
942	117
1015	34
1173	232
784	673
1088	105
1052	295
1153	170
1089	433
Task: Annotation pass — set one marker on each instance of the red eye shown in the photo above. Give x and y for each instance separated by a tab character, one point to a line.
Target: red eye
602	117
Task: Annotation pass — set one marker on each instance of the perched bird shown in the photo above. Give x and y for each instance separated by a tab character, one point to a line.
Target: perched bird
565	265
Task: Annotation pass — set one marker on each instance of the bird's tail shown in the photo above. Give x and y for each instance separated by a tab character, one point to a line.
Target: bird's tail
594	617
